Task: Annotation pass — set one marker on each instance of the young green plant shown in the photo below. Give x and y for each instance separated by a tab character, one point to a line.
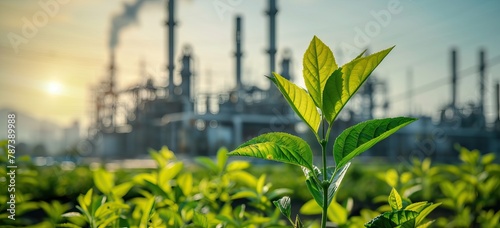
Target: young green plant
329	88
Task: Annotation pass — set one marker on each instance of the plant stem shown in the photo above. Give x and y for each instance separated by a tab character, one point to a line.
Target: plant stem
324	184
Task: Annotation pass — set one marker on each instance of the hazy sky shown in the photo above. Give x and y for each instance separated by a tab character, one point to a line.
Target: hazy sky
48	72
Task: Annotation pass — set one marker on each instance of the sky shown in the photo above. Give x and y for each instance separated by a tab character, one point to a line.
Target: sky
53	51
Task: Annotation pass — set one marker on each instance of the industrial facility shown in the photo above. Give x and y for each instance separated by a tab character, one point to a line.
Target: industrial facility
127	122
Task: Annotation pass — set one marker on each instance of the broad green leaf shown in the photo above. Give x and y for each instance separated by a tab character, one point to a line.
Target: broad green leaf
310	208
335	178
185	182
104	181
395	200
260	184
200	220
284	205
299	100
244	178
237	165
342	85
338	214
425	225
313	185
221	158
121	190
392	219
318	65
332	95
244	194
361	137
422	214
147	210
277	146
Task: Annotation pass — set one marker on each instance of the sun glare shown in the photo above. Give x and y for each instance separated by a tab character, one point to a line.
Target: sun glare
54	88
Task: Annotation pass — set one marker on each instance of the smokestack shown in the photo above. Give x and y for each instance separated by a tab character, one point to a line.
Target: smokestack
272	35
112	72
170	23
453	77
410	91
497	100
482	74
238	54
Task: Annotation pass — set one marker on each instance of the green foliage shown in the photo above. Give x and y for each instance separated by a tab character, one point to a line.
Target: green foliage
329	88
411	215
277	146
361	137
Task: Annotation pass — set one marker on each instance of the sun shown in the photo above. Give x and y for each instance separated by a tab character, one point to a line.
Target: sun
54	88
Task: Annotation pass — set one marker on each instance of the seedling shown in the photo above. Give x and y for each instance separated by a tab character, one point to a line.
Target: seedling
329	88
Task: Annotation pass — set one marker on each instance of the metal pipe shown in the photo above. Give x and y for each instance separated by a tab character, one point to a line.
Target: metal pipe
272	35
453	77
482	74
170	23
238	54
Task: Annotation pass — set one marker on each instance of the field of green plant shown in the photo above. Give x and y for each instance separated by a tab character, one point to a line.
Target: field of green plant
235	193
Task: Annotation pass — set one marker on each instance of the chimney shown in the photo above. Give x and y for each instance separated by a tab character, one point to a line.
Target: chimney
238	54
482	73
497	100
453	77
112	71
170	23
272	35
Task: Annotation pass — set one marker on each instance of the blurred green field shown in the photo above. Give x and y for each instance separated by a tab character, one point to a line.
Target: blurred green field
239	194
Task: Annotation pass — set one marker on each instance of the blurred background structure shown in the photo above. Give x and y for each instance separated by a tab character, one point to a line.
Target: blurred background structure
198	101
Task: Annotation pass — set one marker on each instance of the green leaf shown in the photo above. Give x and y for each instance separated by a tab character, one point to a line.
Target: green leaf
285	206
277	146
121	190
313	184
395	200
337	214
361	137
168	172
104	181
237	165
147	210
392	219
299	100
200	220
260	184
245	194
344	83
335	178
185	182
318	65
332	95
221	158
311	207
426	211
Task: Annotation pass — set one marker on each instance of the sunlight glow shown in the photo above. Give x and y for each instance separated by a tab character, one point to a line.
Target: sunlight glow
54	88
